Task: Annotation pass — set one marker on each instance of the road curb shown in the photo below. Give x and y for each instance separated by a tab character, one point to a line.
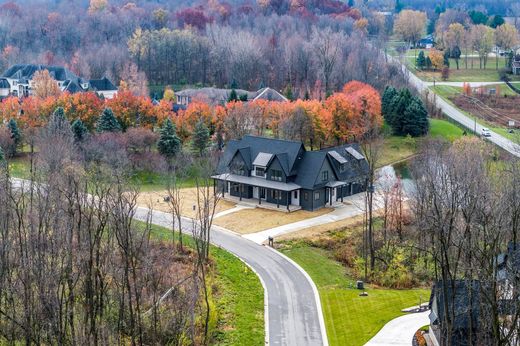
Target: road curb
324	337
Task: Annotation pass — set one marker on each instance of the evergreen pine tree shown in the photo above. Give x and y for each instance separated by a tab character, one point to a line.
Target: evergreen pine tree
415	119
233	96
243	97
2	156
398	107
421	60
289	93
307	96
447	58
58	124
79	130
200	137
428	62
386	99
168	144
107	122
16	135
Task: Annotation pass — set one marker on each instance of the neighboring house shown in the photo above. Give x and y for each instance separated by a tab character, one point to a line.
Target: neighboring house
465	309
426	42
515	64
18	81
103	87
285	174
215	96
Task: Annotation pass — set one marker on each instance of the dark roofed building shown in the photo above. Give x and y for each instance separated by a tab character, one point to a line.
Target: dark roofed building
217	96
284	173
466	311
20	80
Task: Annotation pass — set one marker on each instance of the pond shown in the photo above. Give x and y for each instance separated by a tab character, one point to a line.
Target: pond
389	174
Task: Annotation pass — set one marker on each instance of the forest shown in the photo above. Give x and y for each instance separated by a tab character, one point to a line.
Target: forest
306	44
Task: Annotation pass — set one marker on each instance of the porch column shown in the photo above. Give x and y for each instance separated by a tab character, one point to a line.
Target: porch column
277	194
240	190
259	195
342	186
330	195
288	199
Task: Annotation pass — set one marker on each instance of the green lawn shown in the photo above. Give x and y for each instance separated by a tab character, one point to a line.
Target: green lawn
445	129
473	72
350	319
239	297
153	181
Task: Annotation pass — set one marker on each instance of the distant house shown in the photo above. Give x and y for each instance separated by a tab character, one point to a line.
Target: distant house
515	64
215	96
466	311
103	87
18	81
426	42
283	174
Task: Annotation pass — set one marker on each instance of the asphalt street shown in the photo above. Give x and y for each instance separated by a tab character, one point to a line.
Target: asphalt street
294	317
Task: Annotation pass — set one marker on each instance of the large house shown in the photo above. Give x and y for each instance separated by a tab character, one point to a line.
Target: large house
215	96
18	81
284	174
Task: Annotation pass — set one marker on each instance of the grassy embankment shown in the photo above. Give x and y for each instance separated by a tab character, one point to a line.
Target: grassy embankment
350	319
238	296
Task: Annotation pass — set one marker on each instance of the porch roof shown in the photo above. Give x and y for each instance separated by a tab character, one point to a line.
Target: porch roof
255	181
336	183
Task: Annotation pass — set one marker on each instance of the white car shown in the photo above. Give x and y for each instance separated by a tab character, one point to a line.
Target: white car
486	132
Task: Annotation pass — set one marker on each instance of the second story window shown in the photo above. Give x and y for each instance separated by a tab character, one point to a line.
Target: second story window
325	175
260	171
276	175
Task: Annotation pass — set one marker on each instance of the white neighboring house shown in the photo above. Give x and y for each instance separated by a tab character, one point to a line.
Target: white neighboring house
217	96
18	81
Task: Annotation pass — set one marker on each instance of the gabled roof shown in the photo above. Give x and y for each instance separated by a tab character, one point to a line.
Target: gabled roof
4	84
310	168
287	152
103	84
72	86
27	71
213	95
270	95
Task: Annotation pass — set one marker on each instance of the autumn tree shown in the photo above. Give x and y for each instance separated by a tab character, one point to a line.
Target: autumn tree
45	85
134	80
454	39
169	94
409	25
483	42
436	58
506	37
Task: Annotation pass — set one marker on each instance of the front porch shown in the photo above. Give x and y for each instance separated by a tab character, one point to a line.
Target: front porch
255	203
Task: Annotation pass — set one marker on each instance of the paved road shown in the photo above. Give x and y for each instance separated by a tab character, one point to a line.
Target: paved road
456	114
400	330
294	315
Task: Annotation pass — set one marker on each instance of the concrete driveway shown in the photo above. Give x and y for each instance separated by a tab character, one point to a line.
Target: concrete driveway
293	307
400	330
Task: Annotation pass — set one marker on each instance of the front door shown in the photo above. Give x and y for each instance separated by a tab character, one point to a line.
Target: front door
262	192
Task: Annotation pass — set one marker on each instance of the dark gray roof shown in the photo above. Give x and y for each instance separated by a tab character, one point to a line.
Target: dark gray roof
254	145
72	86
27	71
4	84
103	84
303	166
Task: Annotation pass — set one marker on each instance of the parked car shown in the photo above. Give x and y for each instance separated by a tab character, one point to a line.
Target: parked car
486	132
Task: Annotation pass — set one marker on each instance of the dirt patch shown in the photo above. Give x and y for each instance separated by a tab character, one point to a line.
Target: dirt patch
155	200
255	220
495	109
312	233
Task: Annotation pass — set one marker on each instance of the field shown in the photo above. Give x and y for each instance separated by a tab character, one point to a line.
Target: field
239	297
350	319
496	110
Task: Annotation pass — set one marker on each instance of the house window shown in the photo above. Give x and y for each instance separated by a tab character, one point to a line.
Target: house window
260	171
306	196
325	176
296	194
276	175
342	168
316	196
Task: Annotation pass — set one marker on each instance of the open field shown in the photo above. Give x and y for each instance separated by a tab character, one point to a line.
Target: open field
257	219
239	297
155	200
349	318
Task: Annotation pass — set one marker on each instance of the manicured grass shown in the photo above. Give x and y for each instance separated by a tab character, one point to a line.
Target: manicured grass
19	167
445	129
349	318
154	181
239	297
